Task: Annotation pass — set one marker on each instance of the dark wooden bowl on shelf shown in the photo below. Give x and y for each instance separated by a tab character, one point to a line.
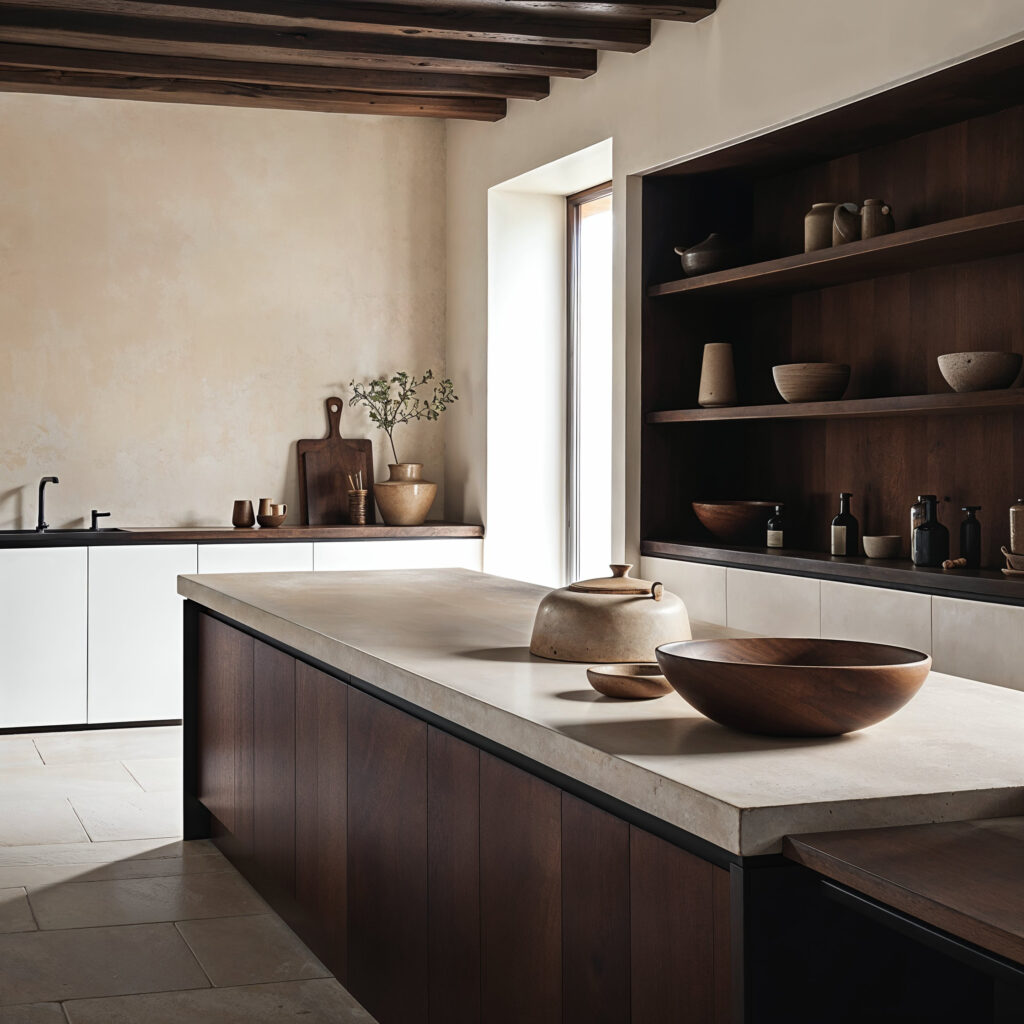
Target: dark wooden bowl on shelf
736	522
793	687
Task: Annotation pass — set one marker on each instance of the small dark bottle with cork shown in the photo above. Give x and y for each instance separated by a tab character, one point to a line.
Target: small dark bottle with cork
845	530
970	537
776	529
930	544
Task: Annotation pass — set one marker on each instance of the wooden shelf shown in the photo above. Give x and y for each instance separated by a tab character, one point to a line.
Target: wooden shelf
1006	400
981	585
952	241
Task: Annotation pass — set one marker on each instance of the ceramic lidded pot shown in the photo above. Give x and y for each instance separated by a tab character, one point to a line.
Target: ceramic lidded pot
876	219
404	499
606	620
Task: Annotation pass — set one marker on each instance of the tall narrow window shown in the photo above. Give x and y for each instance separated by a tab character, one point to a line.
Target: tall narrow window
589	377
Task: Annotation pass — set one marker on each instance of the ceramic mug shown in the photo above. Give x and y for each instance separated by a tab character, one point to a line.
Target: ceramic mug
279	510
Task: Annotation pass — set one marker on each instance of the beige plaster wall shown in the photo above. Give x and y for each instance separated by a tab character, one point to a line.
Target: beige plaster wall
751	66
181	287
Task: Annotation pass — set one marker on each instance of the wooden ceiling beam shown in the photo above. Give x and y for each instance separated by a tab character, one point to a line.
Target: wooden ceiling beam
307	76
234	94
38	26
436	21
595	8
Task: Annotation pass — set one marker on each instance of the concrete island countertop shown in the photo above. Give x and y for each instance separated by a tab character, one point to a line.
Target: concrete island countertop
455	643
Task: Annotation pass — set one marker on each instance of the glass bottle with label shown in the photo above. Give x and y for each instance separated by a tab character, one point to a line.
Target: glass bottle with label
776	529
930	543
970	537
845	532
917	512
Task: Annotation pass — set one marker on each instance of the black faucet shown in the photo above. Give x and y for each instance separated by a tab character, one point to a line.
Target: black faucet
41	524
96	516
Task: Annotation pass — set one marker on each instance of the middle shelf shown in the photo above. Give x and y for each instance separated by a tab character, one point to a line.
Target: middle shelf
1008	399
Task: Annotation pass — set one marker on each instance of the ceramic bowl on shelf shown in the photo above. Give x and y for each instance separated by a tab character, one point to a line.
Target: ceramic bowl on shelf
889	545
271	521
793	687
1013	561
811	382
635	680
980	371
736	522
716	252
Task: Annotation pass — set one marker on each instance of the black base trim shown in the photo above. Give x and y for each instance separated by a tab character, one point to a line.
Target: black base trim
88	726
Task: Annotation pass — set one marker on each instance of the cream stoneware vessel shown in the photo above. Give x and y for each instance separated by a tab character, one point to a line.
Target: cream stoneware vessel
607	620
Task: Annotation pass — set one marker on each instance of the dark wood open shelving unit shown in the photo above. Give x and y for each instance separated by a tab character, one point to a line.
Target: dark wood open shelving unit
947	152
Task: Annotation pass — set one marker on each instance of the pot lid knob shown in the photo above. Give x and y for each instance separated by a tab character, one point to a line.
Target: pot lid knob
620	583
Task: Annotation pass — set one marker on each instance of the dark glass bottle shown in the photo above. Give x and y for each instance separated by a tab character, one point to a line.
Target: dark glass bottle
970	537
845	532
776	529
917	513
930	543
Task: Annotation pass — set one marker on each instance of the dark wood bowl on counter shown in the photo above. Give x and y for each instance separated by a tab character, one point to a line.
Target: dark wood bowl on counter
736	522
793	687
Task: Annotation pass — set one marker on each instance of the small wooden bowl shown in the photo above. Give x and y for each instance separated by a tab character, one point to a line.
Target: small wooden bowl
811	382
635	680
269	522
736	522
1013	561
793	687
888	545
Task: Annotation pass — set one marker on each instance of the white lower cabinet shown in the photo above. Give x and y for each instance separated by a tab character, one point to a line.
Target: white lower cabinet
43	626
135	636
418	553
256	556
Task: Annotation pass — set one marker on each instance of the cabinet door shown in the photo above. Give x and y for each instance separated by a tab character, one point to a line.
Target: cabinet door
413	553
453	803
672	909
43	616
387	860
225	739
520	896
595	915
135	631
321	815
273	823
256	556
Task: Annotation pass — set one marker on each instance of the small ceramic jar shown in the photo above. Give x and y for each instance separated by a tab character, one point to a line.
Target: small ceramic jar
818	226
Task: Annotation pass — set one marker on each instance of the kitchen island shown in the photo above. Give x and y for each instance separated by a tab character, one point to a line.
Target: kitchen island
466	832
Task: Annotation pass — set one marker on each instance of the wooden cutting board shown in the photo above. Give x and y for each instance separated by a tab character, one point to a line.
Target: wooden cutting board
324	465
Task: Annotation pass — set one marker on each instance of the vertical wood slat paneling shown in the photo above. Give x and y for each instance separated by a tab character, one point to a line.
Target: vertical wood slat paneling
520	896
595	915
321	815
387	860
453	800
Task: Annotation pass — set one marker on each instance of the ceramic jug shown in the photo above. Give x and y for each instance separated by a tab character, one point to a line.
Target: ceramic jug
845	223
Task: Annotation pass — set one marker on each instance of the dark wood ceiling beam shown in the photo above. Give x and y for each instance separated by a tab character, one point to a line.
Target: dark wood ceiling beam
593	8
437	21
37	26
234	94
306	76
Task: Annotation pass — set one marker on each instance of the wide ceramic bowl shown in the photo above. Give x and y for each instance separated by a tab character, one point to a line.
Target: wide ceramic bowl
883	545
736	522
793	687
980	371
634	680
811	382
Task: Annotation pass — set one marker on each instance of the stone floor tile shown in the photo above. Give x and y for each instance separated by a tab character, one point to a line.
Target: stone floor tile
142	900
15	913
140	816
35	876
38	820
108	744
83	962
322	1001
15	750
156	774
104	853
33	1013
90	779
250	950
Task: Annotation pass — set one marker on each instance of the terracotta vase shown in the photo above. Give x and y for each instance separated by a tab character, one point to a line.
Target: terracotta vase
717	376
405	499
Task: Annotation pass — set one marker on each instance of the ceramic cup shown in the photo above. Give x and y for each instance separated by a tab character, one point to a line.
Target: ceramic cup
241	514
279	510
264	507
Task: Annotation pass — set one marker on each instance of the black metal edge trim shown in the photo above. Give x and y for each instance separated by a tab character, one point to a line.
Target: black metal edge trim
88	726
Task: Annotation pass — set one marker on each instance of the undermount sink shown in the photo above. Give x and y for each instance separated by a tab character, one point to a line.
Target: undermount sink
793	687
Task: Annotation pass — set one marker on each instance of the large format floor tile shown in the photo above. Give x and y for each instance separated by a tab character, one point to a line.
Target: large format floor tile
323	1001
142	900
90	779
18	750
83	962
39	820
139	816
33	1013
104	853
15	913
109	744
250	950
157	774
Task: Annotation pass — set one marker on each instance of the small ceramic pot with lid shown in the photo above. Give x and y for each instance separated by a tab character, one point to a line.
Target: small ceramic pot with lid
606	620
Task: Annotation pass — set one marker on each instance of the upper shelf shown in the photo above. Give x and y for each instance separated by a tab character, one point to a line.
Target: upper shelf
1006	400
981	235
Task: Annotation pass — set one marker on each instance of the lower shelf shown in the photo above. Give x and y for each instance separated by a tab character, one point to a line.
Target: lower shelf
980	585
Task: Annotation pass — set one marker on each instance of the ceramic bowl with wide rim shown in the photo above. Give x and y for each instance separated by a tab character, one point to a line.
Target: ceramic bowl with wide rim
633	680
811	382
793	687
883	545
736	522
980	371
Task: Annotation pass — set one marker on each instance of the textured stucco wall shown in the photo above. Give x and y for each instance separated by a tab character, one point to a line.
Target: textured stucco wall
181	287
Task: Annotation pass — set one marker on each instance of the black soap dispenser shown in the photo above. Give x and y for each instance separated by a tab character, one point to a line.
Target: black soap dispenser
970	537
930	543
